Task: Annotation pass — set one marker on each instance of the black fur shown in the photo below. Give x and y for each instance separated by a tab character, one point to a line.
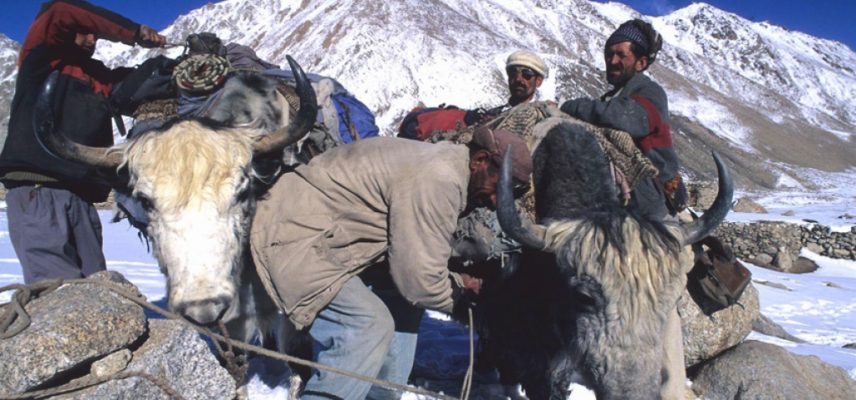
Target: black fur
531	315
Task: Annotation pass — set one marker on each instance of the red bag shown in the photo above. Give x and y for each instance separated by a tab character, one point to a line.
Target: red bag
421	122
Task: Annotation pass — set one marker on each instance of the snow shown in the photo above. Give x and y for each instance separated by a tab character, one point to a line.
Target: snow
818	307
715	117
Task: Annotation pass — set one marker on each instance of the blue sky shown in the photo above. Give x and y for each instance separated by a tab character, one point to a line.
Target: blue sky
831	19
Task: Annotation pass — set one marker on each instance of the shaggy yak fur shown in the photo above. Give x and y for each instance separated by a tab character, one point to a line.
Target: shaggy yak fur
590	303
197	181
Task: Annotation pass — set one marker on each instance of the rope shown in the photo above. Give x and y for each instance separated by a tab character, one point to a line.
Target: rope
201	73
140	300
468	377
236	364
15	309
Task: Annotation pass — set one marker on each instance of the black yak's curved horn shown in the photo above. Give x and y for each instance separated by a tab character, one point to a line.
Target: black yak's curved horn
700	228
506	210
55	143
298	127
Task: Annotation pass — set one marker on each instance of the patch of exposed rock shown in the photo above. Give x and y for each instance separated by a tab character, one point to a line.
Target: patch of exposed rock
707	336
85	333
758	370
71	327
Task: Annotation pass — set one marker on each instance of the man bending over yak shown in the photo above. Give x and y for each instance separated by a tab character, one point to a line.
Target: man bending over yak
381	199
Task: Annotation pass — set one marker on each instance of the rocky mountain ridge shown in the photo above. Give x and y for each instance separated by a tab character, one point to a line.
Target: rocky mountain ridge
778	104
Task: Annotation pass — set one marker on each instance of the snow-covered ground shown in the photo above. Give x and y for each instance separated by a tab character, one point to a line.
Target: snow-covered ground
818	307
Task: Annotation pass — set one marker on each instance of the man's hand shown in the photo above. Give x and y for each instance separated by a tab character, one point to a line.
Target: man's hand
472	283
150	38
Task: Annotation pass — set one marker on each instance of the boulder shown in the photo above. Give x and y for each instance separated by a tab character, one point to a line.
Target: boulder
747	205
783	260
175	355
706	336
758	370
71	327
763	260
803	265
767	327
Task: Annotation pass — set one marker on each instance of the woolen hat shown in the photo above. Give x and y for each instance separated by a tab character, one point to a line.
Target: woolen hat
529	59
629	32
496	142
641	34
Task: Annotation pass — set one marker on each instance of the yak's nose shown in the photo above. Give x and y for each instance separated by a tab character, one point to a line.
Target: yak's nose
204	312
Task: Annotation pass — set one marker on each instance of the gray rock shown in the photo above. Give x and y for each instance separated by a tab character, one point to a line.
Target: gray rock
766	326
71	327
814	248
770	250
784	260
773	285
176	356
706	336
789	213
850	346
832	285
803	265
112	364
757	370
840	253
762	259
748	205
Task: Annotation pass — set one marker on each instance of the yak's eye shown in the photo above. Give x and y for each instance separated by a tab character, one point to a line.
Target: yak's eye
245	189
145	202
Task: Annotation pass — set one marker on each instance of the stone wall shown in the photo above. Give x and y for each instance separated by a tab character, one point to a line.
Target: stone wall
776	243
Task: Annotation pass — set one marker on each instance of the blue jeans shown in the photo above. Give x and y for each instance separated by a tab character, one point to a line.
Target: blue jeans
396	366
399	361
354	333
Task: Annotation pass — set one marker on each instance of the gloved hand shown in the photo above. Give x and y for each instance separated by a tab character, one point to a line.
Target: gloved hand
149	38
676	194
464	298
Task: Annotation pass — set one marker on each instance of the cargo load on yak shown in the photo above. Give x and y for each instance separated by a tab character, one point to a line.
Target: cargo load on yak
197	79
422	122
210	81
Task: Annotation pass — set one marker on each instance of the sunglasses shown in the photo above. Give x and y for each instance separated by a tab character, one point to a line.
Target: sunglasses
526	72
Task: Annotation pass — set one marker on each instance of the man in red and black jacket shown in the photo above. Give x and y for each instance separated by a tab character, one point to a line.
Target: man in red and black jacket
639	106
53	225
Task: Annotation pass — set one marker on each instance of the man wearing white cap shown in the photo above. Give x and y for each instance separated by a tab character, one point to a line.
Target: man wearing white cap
526	71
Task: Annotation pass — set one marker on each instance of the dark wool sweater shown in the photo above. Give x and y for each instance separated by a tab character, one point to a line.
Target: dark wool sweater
640	108
80	107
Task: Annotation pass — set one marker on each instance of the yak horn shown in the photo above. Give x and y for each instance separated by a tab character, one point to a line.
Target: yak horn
298	128
506	210
57	144
700	228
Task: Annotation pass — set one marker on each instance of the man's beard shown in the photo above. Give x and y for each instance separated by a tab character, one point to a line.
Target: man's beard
519	92
620	79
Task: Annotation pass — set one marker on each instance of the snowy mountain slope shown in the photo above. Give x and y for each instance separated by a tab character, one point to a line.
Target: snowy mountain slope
8	71
775	102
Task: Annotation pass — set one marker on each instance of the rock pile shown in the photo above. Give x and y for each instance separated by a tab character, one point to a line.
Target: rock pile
86	333
775	244
778	244
722	365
